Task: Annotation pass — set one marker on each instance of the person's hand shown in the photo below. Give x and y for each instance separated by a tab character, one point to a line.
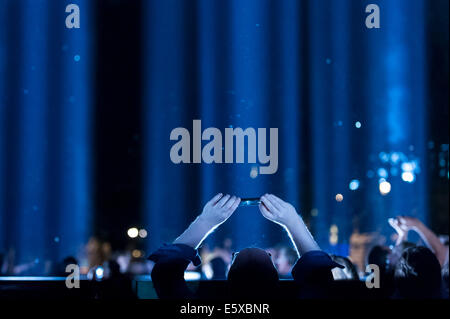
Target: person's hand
215	212
219	209
400	229
277	210
408	223
284	214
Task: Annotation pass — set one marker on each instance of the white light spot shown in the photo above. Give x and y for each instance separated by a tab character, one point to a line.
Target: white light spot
385	187
408	166
408	177
142	233
99	272
354	185
254	172
133	232
191	275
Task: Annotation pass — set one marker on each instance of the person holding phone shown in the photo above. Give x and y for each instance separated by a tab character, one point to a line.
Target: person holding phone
252	272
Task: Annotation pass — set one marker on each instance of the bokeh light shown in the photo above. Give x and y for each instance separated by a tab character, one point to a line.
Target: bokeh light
354	185
385	187
408	177
142	233
133	232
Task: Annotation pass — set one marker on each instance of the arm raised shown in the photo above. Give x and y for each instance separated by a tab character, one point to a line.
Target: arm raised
284	214
215	212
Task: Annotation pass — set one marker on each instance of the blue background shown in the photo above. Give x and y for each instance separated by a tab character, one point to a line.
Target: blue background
86	114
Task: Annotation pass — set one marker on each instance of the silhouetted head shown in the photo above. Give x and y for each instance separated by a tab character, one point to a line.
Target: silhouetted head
396	253
418	274
219	268
114	267
2	257
378	255
70	260
252	274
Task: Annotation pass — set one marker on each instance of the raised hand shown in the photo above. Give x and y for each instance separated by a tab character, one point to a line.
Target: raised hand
398	227
277	210
431	240
408	223
401	230
215	212
219	209
284	214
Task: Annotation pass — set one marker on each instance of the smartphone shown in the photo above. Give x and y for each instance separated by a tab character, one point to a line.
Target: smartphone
249	202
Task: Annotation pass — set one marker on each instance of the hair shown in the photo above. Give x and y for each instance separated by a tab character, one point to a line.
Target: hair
444	274
418	274
114	267
405	245
253	275
2	257
219	268
378	256
69	260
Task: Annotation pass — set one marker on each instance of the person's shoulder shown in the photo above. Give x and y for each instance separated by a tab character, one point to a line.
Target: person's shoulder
178	251
316	261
